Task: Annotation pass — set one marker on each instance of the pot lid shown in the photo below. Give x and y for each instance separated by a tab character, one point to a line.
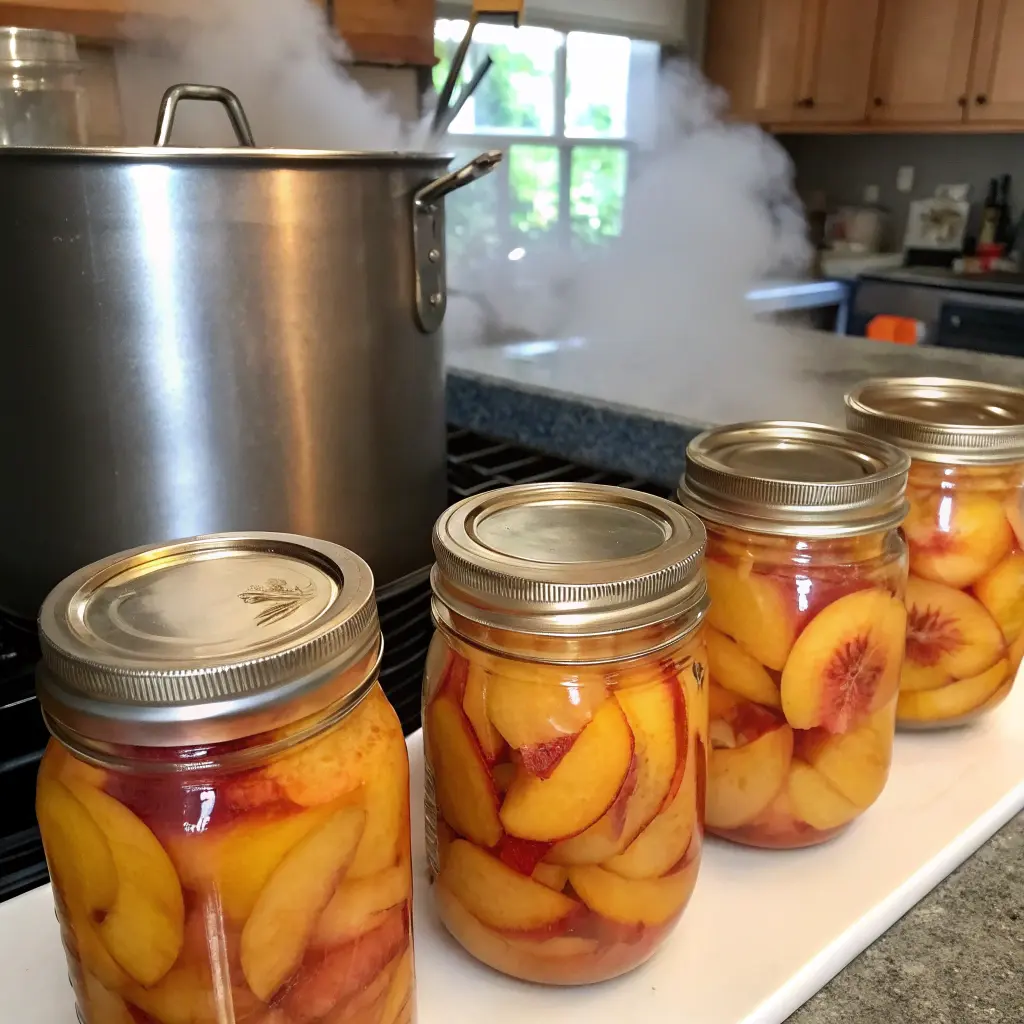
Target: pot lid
204	640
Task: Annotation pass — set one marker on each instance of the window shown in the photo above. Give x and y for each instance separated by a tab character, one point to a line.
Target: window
569	110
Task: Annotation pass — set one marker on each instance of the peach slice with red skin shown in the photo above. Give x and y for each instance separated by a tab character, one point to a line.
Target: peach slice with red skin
500	897
522	855
846	663
656	713
582	787
950	636
144	928
754	610
360	905
1001	591
463	786
955	538
751	749
285	915
400	990
739	672
954	700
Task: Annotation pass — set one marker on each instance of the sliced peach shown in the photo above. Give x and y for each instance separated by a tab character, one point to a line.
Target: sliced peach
540	713
503	774
76	849
235	861
649	901
581	788
364	1006
554	876
281	924
144	928
185	995
956	538
498	896
562	946
949	636
463	786
1001	591
340	762
340	976
754	610
103	1006
855	764
815	801
1016	653
522	855
664	842
400	990
385	798
359	905
474	703
954	700
739	672
1014	509
742	781
846	663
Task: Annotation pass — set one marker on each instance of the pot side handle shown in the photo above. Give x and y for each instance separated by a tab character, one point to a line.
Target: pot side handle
215	93
428	238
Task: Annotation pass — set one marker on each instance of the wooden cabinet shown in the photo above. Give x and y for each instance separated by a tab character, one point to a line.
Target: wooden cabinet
377	31
923	60
793	61
996	91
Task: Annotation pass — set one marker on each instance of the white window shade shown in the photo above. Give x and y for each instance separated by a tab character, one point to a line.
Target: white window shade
666	21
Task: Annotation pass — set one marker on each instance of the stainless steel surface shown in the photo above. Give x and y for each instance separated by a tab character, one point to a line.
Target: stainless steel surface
212	93
795	479
429	238
939	420
211	638
41	98
568	559
213	340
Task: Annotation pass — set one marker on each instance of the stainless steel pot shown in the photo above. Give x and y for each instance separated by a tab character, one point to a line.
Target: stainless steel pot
198	340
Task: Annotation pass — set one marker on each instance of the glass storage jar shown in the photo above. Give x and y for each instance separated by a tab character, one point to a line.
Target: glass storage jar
806	571
565	724
224	803
965	598
42	102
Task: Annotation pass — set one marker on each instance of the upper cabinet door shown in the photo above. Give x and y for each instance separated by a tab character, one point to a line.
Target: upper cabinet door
997	76
923	60
753	53
838	46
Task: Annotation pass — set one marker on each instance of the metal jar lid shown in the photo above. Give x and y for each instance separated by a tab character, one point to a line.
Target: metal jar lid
567	559
205	640
935	419
20	47
795	480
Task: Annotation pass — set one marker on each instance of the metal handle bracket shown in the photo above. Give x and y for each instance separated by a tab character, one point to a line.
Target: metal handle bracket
215	93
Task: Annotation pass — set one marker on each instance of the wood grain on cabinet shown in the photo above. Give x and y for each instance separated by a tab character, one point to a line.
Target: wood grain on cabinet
837	44
997	72
923	60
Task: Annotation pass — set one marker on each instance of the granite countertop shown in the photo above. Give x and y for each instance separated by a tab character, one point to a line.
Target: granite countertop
956	957
632	408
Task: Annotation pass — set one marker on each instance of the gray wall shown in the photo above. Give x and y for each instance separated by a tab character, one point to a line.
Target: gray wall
841	165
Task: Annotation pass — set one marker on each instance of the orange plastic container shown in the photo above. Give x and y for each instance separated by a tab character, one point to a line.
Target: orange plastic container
965	598
565	724
224	805
806	571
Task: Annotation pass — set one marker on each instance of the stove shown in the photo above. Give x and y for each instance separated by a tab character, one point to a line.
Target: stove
475	464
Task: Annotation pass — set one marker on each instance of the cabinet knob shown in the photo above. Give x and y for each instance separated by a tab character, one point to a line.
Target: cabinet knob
879	102
981	99
806	103
962	101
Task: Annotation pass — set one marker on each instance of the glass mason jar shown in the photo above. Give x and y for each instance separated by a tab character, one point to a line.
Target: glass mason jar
224	803
965	598
806	572
565	722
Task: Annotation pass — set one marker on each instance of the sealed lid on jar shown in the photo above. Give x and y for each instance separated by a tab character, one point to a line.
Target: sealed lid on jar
795	479
569	560
935	419
206	640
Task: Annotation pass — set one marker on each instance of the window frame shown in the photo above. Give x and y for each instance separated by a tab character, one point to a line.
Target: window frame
639	129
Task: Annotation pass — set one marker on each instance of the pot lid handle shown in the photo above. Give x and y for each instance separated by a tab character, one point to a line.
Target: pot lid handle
225	97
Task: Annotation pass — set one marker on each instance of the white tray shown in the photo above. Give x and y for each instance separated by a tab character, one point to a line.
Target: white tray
764	931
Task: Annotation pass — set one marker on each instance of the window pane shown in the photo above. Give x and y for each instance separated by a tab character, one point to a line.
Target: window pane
473	214
533	183
597	190
597	86
518	95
